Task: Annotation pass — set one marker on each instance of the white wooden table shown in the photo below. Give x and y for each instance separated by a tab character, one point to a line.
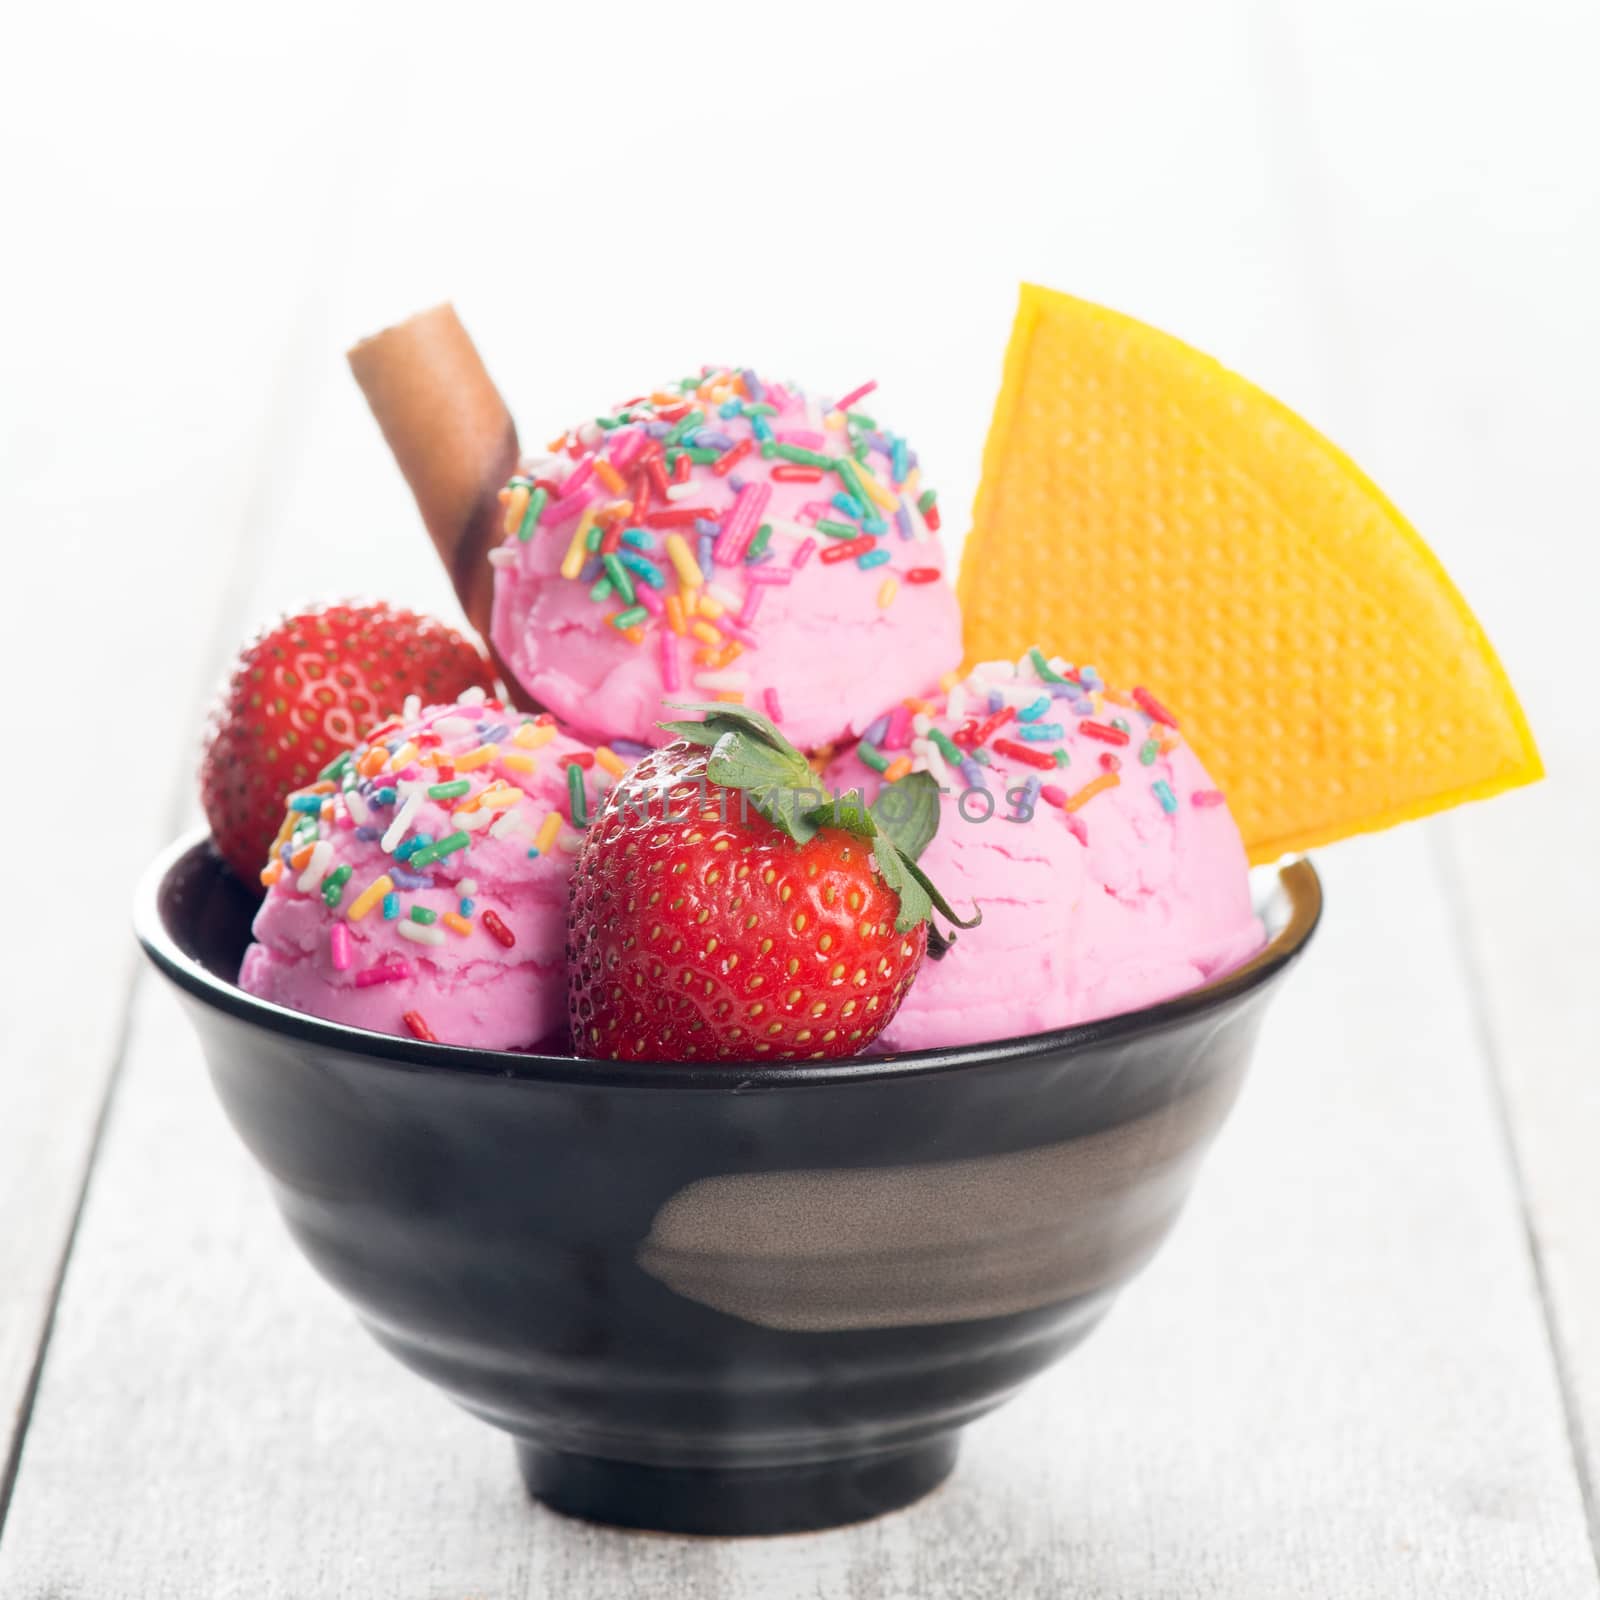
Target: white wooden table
1368	1363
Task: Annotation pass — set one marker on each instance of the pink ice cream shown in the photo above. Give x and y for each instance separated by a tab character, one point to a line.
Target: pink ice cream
726	537
461	938
1128	883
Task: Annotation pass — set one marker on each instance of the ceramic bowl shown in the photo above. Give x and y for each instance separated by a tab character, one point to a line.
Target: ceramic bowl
726	1299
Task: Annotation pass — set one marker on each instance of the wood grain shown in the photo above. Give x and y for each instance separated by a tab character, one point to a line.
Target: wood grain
120	652
1338	1378
1467	255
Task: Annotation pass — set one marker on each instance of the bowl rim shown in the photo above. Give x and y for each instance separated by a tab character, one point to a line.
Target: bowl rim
1298	880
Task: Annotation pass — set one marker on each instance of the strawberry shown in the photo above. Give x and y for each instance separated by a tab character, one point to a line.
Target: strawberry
306	688
719	914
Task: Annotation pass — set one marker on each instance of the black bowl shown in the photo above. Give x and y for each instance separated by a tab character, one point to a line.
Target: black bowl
720	1299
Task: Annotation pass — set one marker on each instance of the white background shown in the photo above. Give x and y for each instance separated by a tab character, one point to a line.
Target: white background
1371	1356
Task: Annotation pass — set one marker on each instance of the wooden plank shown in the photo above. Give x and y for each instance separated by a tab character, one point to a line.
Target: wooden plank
1469	251
1334	1380
109	623
151	324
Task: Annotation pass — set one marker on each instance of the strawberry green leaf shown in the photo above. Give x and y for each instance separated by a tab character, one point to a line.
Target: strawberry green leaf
848	810
919	899
894	869
750	754
938	901
739	762
908	811
719	717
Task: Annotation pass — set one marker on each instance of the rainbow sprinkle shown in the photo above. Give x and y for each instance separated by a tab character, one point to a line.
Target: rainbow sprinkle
408	807
1013	714
705	479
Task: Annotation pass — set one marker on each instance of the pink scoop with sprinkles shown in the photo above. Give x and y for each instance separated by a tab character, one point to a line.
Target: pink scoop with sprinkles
1108	868
724	538
420	886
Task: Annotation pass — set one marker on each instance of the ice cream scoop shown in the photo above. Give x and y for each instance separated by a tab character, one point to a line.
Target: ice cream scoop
420	886
725	537
1108	869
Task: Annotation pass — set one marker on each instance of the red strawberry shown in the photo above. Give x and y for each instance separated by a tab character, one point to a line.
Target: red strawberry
306	688
716	915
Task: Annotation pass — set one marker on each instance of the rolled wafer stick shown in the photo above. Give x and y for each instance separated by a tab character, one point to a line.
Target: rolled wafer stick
452	436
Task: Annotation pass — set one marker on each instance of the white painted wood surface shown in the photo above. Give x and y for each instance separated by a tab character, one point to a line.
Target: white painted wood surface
122	535
1369	1362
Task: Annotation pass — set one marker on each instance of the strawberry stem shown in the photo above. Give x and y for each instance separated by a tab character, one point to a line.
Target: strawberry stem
750	753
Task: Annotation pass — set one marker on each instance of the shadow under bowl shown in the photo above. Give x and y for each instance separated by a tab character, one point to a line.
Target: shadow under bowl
720	1299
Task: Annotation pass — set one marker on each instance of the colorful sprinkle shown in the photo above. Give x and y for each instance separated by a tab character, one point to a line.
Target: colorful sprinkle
315	859
436	852
577	803
671	678
419	1028
389	970
846	552
620	578
572	563
535	509
632	480
1153	708
403	819
497	929
1106	780
532	735
1020	752
683	562
546	836
856	394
